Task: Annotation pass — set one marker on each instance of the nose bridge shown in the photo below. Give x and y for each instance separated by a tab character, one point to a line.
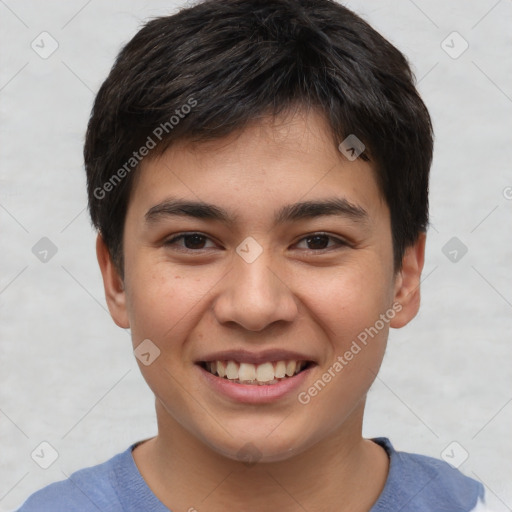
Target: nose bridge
254	296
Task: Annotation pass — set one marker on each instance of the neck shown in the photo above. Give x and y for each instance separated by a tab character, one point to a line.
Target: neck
341	472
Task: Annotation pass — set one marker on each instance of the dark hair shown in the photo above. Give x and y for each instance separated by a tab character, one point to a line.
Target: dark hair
210	69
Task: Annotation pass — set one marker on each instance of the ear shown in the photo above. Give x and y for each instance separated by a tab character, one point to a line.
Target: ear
407	283
115	293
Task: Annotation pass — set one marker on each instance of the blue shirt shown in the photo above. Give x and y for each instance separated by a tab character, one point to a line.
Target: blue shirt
415	483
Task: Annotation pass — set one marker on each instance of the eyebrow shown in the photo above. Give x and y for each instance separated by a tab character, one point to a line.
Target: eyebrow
336	206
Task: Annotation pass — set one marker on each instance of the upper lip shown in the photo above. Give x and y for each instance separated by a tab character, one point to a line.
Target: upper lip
246	356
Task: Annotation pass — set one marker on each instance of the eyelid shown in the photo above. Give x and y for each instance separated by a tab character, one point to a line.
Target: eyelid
338	241
177	236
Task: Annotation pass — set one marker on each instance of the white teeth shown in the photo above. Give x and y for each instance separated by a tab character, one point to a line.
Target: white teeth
280	369
221	369
290	368
265	372
232	370
247	373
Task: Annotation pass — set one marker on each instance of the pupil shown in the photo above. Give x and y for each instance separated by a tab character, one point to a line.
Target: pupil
196	240
317	237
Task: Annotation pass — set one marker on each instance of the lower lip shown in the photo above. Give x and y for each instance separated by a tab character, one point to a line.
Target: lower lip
255	394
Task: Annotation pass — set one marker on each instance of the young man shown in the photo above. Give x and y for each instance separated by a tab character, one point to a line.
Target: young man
258	173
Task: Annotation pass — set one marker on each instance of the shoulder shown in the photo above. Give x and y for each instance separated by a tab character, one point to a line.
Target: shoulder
89	489
420	483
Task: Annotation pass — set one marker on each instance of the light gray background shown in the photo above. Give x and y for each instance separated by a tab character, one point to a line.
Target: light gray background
68	375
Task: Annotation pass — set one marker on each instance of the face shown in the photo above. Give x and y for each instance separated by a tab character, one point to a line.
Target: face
266	307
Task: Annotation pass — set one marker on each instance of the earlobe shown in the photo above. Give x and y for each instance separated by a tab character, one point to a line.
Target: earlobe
115	293
407	284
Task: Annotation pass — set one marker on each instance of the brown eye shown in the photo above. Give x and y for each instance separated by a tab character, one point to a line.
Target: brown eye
320	241
317	241
194	241
191	241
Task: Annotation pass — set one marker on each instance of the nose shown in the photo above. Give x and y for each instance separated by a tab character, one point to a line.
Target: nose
254	295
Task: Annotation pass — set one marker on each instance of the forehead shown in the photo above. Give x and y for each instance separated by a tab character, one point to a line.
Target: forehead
271	162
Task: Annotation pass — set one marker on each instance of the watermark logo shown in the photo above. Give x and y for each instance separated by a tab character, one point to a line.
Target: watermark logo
454	45
249	249
351	147
44	250
454	249
45	45
44	455
249	454
146	352
455	454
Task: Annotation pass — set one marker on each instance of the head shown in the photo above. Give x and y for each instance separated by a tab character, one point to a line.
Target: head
242	106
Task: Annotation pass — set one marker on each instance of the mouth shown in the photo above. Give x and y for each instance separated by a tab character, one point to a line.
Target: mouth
267	373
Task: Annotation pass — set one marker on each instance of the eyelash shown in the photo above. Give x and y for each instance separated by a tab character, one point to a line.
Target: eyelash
338	241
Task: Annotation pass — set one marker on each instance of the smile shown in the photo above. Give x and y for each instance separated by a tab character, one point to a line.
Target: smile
267	373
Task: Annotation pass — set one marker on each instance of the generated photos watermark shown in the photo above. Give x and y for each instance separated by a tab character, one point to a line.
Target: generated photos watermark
137	156
304	397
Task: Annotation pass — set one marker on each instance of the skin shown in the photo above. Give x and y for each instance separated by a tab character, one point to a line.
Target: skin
310	297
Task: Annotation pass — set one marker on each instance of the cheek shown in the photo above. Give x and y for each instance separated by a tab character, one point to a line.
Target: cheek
354	310
357	336
163	307
358	310
160	303
350	301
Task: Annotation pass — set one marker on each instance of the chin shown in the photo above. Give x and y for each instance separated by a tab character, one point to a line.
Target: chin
260	447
